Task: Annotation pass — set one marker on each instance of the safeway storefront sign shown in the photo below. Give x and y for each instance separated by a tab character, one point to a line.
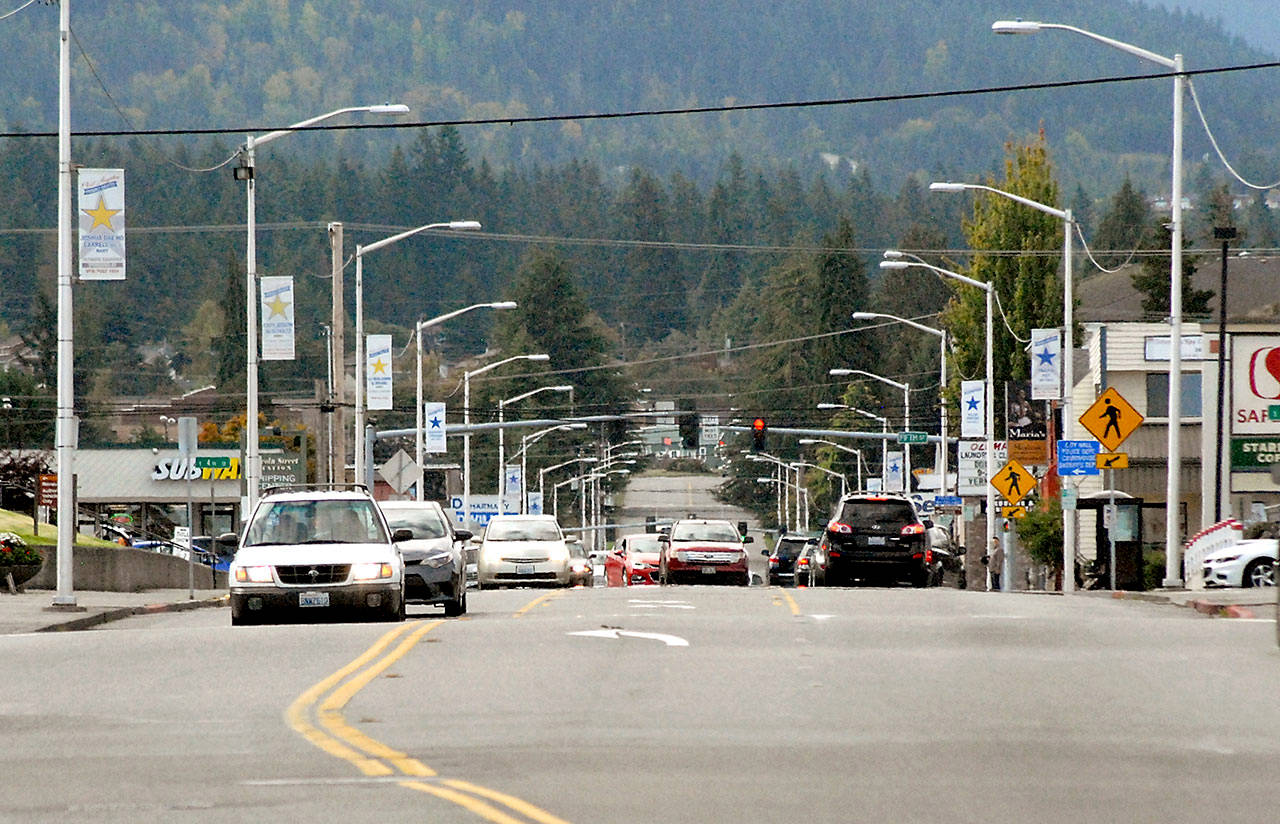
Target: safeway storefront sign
1255	384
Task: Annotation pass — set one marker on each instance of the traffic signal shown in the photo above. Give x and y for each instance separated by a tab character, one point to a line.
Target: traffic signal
689	424
758	431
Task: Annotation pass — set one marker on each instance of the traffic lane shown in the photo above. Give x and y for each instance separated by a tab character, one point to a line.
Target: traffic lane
900	704
189	722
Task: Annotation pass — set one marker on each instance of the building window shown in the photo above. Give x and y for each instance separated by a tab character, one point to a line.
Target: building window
1158	395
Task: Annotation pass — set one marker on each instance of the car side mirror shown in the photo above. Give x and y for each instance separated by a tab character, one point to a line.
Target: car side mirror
764	552
572	539
928	524
401	535
959	551
747	539
462	535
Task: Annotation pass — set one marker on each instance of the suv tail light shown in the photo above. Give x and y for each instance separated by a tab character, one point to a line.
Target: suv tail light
913	529
843	529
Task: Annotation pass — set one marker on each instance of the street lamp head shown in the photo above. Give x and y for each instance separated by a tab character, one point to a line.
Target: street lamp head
1015	27
503	304
464	225
894	264
576	426
389	108
839	372
592	459
866	315
562	388
939	186
766	480
537	357
892	254
825	405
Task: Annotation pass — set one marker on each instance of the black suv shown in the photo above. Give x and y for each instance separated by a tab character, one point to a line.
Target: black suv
782	558
878	537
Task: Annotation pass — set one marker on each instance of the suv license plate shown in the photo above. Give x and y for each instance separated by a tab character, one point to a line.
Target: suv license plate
708	570
313	599
524	569
875	540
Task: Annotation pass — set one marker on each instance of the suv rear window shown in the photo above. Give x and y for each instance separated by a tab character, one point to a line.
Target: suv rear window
876	512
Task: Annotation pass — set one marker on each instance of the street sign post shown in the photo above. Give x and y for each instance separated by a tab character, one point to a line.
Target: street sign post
1111	419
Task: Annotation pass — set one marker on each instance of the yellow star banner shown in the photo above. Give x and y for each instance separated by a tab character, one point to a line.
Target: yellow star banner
377	371
276	299
100	198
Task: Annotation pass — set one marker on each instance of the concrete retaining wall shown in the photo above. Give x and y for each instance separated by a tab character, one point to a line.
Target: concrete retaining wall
122	569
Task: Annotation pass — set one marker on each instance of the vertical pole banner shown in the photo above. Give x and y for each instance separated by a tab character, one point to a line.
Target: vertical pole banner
433	434
101	208
377	370
895	480
1046	365
973	409
276	298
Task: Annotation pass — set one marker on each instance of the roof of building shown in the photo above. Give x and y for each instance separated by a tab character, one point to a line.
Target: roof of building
1253	291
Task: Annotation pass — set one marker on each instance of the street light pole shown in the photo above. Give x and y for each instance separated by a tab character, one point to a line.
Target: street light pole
466	420
245	172
502	469
884	441
1068	359
944	446
528	440
857	453
361	462
894	261
906	414
419	446
1173	491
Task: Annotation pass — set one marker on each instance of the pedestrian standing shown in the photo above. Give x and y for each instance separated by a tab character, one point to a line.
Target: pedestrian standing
995	563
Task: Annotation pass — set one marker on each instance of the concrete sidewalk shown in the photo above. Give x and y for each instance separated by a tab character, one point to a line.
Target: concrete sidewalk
1225	603
33	610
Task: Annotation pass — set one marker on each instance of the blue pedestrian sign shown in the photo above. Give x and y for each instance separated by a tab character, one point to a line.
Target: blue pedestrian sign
1077	458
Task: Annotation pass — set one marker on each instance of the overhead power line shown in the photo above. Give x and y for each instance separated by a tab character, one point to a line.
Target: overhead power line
639	113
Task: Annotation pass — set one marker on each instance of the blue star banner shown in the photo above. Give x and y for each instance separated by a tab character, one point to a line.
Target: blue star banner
433	427
1046	364
973	409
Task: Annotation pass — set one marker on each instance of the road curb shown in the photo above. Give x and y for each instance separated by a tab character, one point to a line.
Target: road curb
1201	606
99	618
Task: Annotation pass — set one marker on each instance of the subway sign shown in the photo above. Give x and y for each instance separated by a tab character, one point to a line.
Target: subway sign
204	468
1254	454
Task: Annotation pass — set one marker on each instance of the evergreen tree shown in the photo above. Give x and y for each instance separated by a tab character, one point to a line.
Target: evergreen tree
1123	228
1153	277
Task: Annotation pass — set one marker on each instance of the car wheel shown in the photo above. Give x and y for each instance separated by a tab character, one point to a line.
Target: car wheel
745	580
456	607
921	579
1261	572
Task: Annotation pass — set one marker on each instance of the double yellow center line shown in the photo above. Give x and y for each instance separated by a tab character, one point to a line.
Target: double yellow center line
316	715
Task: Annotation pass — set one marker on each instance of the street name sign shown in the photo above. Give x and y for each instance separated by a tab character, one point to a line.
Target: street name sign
913	437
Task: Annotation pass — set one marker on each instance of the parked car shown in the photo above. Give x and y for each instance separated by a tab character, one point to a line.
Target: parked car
811	566
434	554
317	552
948	556
706	551
523	549
634	560
782	558
1249	563
878	538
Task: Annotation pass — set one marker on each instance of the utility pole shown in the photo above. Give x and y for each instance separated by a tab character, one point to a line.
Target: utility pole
338	453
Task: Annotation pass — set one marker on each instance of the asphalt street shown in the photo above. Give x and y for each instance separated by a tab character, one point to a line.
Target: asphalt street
641	704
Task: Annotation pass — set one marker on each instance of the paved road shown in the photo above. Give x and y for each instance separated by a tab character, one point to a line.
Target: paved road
825	704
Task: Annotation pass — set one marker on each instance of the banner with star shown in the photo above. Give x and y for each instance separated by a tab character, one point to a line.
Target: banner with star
377	371
433	427
1046	365
973	409
276	296
893	474
101	204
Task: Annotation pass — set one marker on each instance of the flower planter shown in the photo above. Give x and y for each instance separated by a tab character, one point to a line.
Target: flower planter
21	574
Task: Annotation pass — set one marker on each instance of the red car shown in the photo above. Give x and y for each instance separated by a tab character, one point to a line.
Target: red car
634	560
703	551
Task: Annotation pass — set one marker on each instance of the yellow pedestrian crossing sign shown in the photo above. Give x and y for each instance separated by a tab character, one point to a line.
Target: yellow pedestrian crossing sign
1013	482
1111	419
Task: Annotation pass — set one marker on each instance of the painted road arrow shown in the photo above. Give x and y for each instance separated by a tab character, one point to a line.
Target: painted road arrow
669	640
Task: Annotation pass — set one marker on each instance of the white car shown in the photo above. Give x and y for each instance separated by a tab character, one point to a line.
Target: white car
317	553
1250	563
523	549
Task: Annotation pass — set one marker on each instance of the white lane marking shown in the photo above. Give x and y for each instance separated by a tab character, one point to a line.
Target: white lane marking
821	616
657	605
669	640
651	601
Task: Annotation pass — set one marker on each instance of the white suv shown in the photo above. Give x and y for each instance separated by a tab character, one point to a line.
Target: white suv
313	552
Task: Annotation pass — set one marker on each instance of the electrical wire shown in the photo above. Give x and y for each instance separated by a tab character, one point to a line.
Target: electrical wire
1213	141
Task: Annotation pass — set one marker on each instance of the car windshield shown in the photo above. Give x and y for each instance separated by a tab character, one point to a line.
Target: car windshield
877	512
704	532
342	521
425	523
521	531
644	545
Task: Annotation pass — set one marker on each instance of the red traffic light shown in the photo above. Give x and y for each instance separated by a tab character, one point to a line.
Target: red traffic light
758	425
758	429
